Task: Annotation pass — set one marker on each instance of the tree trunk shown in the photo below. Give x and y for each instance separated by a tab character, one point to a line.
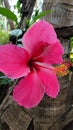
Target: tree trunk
62	19
62	12
26	10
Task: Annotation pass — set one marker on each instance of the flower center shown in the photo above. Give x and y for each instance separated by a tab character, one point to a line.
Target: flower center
32	64
61	70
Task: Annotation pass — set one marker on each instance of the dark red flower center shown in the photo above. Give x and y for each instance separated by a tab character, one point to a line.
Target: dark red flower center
32	64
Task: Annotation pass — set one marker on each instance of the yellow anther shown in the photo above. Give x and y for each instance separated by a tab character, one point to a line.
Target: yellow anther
62	70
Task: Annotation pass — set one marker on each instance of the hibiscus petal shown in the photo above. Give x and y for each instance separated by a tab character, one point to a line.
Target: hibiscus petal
39	33
50	81
13	61
29	91
52	54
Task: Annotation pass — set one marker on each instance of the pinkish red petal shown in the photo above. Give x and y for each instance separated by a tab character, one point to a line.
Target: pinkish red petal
29	91
38	35
13	61
50	81
52	54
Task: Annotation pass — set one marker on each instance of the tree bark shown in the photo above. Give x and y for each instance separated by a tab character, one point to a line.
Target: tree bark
62	12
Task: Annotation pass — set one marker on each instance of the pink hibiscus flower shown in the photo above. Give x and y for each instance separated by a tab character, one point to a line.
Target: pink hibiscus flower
41	49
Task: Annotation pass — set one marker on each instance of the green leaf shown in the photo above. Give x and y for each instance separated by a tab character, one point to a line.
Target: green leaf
18	4
7	13
38	16
42	14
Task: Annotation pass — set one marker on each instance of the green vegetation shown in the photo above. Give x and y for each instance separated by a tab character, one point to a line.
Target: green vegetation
71	49
4	37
